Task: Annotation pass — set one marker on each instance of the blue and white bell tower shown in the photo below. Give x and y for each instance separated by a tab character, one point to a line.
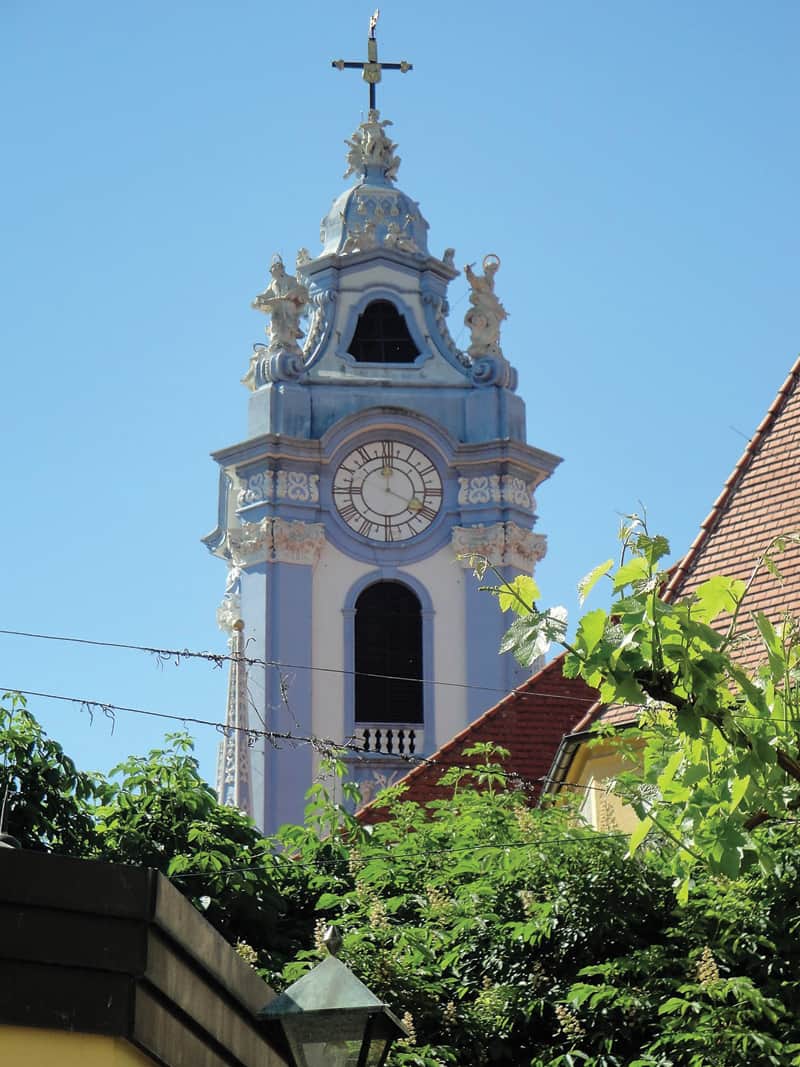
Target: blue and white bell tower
377	457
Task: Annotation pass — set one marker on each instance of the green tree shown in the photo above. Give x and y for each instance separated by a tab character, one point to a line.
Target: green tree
719	744
45	801
515	936
505	935
158	812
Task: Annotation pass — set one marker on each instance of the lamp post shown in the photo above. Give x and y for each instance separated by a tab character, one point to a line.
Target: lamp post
330	1019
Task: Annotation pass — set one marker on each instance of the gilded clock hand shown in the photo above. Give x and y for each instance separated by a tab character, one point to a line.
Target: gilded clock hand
413	504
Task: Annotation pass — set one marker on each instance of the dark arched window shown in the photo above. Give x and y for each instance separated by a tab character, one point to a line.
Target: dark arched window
388	640
381	336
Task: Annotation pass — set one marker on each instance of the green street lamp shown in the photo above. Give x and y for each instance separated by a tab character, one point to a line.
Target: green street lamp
330	1019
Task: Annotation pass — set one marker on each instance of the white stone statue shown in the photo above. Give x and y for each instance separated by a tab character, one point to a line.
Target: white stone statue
284	299
370	147
449	257
360	238
397	238
487	313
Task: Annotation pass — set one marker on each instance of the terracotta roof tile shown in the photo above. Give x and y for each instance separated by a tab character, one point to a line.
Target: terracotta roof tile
760	500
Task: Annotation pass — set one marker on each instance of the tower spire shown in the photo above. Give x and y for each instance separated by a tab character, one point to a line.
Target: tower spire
371	71
233	769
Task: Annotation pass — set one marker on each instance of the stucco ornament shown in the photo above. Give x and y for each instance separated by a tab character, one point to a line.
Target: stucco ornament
230	610
485	541
297	542
250	543
502	544
397	238
487	313
369	147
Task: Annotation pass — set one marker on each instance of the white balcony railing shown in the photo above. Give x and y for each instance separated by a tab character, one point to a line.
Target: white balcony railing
390	739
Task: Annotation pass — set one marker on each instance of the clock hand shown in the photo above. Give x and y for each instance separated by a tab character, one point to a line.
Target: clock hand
411	503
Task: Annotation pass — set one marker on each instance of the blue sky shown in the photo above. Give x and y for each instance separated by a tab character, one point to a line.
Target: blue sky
633	165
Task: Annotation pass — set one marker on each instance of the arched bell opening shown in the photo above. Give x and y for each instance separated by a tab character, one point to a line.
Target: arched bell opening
382	336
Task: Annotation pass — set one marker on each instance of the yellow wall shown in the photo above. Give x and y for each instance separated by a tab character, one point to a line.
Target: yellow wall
594	767
22	1046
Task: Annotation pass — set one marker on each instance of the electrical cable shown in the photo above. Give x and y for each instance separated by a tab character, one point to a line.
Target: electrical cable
218	659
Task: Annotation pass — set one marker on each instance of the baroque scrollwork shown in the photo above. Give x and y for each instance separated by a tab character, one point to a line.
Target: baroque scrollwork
518	492
436	309
256	489
494	489
480	489
297	486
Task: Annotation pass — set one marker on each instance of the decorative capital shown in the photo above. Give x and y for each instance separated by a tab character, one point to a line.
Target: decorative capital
250	543
524	548
480	540
273	541
297	542
502	544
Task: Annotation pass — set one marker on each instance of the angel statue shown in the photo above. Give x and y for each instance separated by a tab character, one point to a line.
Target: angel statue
486	313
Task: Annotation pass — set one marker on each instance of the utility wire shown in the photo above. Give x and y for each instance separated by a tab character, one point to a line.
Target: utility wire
218	659
322	744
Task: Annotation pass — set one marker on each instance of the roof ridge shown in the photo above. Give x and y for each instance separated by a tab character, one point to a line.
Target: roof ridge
719	506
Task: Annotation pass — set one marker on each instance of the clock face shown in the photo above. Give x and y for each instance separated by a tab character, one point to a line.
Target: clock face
387	490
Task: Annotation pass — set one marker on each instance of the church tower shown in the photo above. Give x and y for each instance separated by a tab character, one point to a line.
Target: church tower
377	457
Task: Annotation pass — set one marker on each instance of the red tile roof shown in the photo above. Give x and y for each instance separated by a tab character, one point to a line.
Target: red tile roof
529	722
759	501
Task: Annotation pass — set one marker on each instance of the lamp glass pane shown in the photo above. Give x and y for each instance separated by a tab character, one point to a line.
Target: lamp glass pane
333	1053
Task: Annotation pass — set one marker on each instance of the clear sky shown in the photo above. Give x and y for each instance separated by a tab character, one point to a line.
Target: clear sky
633	164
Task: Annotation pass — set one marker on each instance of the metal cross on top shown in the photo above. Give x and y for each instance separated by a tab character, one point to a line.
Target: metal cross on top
371	70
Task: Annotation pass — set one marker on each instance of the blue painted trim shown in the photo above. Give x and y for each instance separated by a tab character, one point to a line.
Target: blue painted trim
390	574
214	540
389	293
288	770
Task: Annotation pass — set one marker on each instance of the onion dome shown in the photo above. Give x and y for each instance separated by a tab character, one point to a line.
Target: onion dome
373	213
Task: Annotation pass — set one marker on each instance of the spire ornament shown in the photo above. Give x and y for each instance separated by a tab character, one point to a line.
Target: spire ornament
371	151
372	70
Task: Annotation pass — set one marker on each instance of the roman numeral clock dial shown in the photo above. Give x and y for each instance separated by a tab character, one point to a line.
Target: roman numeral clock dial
387	491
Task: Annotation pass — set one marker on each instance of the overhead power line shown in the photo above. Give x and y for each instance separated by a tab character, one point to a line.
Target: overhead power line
218	659
273	737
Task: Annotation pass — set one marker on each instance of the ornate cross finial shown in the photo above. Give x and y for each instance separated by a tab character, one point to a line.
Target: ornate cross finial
371	70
